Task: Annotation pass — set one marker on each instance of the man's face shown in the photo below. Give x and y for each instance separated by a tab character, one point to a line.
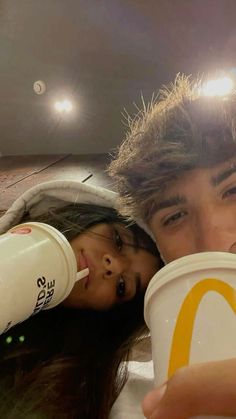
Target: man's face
197	213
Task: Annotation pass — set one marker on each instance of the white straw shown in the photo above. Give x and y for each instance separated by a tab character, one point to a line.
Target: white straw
82	274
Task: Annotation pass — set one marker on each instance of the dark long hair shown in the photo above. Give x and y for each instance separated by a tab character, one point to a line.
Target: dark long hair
67	363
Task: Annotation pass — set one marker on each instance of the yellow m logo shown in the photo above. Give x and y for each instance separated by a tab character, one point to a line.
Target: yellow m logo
182	337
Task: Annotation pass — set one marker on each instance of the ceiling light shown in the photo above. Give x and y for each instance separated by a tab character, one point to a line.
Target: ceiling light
63	106
217	87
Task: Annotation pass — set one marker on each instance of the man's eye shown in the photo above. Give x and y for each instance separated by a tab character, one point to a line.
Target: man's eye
174	218
118	240
229	192
120	288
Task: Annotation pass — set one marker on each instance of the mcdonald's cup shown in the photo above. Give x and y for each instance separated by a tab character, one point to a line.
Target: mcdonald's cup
190	308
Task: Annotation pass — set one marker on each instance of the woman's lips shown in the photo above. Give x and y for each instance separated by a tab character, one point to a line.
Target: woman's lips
83	262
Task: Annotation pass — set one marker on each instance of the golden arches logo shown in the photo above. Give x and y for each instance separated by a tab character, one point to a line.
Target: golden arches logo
182	337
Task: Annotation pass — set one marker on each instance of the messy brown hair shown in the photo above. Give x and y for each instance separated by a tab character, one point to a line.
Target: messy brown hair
68	363
178	131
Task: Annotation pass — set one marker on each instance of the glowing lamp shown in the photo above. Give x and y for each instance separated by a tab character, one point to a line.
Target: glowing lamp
63	106
218	87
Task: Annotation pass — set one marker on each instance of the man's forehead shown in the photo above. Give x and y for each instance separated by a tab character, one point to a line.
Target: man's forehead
173	192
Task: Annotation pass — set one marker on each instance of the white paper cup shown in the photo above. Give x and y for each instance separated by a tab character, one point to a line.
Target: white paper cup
37	271
190	308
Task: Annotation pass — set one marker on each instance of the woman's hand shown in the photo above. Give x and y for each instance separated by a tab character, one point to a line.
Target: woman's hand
208	389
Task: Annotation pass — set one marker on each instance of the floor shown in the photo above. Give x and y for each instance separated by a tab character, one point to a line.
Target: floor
19	173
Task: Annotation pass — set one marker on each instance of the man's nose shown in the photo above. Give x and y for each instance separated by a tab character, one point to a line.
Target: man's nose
114	265
212	236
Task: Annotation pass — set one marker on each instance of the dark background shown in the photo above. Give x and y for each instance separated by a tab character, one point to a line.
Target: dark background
101	55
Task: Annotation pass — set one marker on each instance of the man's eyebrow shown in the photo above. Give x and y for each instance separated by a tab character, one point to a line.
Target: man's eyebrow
170	202
224	174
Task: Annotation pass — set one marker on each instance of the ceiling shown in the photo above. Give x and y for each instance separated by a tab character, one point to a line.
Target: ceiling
101	54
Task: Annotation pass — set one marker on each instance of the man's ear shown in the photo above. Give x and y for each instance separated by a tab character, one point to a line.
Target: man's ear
163	260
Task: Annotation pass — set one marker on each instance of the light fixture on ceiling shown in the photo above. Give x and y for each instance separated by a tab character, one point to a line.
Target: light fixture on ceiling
64	106
217	87
39	87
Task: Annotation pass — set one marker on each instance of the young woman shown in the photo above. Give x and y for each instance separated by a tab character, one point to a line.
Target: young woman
66	362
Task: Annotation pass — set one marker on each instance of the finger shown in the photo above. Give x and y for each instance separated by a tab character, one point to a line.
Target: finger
208	389
152	399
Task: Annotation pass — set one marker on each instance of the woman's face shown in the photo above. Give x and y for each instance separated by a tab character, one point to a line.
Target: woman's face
118	269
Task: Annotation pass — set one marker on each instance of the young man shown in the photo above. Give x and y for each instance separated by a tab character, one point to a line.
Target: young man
177	171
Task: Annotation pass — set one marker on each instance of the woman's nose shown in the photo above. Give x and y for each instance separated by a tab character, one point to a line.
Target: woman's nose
114	265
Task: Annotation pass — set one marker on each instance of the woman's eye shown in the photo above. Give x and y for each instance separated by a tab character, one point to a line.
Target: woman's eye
229	192
120	288
118	240
175	218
